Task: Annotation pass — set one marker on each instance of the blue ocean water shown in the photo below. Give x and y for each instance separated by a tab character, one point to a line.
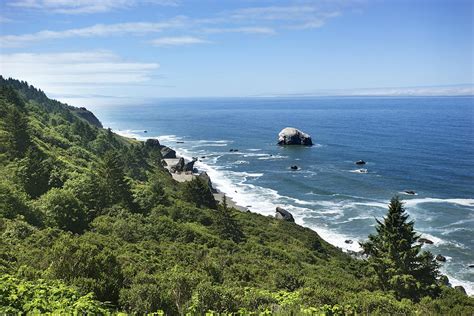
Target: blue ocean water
420	144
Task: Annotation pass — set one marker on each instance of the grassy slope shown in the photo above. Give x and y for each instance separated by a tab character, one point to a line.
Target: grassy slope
170	255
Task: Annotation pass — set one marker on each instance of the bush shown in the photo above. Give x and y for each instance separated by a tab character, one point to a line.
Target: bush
63	210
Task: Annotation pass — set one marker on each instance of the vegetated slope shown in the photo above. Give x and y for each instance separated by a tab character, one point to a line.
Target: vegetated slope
90	221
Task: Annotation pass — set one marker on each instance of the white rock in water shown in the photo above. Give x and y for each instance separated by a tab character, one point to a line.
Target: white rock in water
293	136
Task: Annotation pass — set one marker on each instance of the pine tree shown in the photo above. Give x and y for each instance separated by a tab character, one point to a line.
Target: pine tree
197	192
115	186
396	256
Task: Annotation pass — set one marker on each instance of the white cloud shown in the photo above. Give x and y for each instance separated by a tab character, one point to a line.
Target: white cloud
84	6
297	16
247	30
76	72
5	19
177	41
97	30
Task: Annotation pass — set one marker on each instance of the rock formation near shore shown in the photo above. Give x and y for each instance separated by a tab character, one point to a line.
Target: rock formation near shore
293	136
168	153
283	214
152	143
206	179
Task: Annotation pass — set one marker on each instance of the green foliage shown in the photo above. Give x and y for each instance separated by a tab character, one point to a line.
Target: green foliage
151	193
198	192
395	256
41	296
83	211
226	225
62	210
13	203
14	129
114	185
34	172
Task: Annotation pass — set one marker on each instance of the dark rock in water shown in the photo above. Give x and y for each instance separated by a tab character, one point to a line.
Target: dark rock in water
410	192
425	241
145	131
441	258
152	143
203	157
360	162
293	136
348	241
179	142
206	179
460	289
168	153
233	150
284	215
471	266
294	167
443	280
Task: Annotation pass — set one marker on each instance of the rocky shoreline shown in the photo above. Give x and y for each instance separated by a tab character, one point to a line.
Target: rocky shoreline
182	170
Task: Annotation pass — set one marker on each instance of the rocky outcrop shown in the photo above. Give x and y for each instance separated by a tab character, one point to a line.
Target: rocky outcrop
87	115
189	166
460	289
152	143
206	179
168	153
283	214
179	167
425	241
360	162
441	258
293	136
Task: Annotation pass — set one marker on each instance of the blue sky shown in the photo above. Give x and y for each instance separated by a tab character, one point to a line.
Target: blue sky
121	51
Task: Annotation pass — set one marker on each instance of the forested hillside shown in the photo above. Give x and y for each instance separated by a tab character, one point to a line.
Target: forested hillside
91	222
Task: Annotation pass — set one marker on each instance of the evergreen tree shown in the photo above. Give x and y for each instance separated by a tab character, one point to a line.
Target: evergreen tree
227	226
396	256
115	186
15	138
197	192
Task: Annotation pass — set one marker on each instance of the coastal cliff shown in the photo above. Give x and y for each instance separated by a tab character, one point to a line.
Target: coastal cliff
92	217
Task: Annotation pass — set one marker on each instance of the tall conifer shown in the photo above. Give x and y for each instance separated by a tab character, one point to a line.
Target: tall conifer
396	256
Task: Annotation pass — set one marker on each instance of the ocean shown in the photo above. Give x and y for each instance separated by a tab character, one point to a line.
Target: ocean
423	144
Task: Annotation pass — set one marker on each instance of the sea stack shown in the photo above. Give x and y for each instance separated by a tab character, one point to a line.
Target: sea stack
293	136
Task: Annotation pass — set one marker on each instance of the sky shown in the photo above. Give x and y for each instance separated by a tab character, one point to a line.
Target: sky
122	51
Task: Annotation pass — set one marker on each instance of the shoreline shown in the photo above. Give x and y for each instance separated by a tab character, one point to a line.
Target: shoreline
322	232
184	176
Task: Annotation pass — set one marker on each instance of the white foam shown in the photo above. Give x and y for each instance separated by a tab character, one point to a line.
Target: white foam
462	202
467	285
246	155
272	157
241	162
247	174
129	133
359	171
